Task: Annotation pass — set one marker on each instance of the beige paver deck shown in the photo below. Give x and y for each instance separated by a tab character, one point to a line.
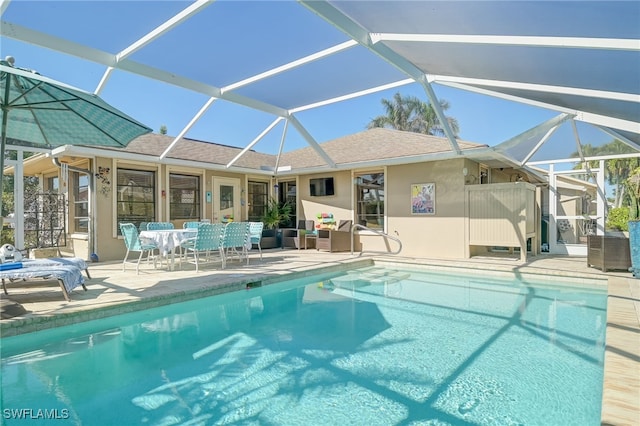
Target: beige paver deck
111	291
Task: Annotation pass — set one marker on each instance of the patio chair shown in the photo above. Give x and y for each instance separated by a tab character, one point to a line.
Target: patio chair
133	244
255	234
208	240
159	226
188	225
335	240
236	238
297	237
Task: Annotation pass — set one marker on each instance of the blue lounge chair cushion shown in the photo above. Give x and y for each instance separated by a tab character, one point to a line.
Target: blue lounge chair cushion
8	266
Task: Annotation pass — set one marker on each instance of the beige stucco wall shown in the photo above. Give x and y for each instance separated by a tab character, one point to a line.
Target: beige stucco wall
339	204
107	245
111	247
437	236
441	235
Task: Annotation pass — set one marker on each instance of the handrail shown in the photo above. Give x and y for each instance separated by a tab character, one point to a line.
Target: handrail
375	231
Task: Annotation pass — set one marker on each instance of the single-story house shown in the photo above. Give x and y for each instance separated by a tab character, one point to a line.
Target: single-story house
414	187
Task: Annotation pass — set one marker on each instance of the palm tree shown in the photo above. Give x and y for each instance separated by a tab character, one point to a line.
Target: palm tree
410	114
430	123
588	150
618	169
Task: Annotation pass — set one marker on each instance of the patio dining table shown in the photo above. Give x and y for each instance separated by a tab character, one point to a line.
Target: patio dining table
167	240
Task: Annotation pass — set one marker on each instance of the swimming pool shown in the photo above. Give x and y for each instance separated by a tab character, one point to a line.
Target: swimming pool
375	346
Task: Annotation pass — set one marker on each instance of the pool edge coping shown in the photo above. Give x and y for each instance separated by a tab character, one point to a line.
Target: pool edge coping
33	324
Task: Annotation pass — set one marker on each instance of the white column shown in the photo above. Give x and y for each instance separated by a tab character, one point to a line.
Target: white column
553	211
602	200
18	197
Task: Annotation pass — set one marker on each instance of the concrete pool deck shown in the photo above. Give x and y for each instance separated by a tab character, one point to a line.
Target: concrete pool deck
111	291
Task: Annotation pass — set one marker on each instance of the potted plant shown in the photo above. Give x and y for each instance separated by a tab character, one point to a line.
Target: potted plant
632	185
618	221
275	214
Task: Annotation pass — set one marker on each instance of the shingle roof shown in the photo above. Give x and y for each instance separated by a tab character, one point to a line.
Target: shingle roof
195	150
369	145
372	144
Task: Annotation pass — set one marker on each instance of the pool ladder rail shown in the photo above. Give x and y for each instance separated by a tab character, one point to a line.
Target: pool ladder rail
375	231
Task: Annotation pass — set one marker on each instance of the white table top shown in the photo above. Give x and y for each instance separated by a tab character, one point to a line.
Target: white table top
167	239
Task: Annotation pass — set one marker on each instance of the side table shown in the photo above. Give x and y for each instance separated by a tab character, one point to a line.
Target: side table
309	241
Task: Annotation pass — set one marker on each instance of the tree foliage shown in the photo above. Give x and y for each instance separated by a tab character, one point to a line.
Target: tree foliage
617	169
410	114
632	185
8	196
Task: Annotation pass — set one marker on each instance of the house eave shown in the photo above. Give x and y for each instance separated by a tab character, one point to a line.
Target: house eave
128	156
471	153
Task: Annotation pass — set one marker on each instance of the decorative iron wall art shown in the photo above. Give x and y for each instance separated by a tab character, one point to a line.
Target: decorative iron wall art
104	178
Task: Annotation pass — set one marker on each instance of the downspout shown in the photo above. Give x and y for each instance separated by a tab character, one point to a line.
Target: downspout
56	161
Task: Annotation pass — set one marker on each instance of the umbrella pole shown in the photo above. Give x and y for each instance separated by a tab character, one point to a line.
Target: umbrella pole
3	143
2	150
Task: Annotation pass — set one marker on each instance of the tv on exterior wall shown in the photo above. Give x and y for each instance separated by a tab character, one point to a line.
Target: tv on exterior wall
321	186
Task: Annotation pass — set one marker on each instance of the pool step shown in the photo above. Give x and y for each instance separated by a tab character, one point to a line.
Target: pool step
374	275
391	278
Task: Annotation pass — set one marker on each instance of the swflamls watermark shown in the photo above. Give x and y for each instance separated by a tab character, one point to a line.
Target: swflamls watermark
35	414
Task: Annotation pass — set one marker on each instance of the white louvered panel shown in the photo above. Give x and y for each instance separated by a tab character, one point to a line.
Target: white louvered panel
497	213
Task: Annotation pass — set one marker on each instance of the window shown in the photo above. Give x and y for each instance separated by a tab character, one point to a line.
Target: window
258	196
484	174
80	202
53	184
370	200
136	196
184	197
321	187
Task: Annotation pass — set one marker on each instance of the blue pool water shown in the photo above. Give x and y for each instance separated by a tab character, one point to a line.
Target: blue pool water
374	346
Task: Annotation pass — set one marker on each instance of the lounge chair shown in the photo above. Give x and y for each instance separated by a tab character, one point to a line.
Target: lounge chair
67	275
58	261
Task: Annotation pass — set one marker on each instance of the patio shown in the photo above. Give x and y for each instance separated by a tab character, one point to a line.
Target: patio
111	292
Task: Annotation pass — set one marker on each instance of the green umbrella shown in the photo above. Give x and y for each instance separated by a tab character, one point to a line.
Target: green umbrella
43	113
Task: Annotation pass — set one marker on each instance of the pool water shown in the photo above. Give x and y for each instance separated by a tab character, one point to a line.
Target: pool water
373	346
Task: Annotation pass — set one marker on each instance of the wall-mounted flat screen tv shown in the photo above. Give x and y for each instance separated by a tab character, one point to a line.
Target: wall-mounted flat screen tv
321	186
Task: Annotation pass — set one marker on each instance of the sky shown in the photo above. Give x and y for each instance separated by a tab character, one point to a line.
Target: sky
482	119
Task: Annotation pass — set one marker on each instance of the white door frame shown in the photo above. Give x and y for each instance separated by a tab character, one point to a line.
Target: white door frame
217	182
574	249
